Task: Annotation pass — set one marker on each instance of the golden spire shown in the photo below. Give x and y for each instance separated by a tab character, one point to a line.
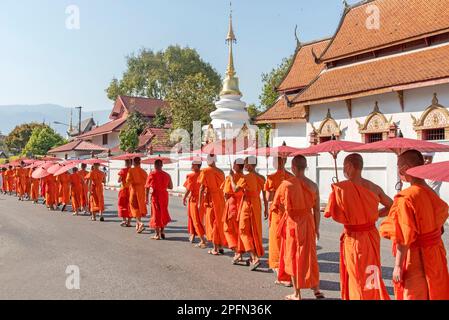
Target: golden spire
231	82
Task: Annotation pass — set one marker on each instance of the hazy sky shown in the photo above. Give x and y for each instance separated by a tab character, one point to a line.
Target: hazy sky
41	61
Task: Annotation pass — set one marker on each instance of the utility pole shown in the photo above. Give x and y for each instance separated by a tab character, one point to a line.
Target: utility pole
79	119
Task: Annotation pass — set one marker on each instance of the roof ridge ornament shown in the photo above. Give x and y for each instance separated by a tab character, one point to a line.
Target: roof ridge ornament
376	107
435	99
298	42
346	5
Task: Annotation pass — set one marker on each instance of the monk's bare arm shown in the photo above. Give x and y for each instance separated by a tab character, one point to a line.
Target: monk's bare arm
200	198
385	200
170	184
186	196
401	254
265	203
317	211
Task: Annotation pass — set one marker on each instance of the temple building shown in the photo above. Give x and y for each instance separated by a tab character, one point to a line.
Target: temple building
384	73
230	119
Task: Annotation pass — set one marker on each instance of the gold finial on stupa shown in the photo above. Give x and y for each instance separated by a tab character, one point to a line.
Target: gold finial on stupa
231	82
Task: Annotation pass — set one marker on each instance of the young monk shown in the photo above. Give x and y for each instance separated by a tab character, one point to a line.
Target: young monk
96	179
34	189
76	190
301	202
230	215
250	213
10	180
84	194
415	225
21	180
191	197
4	181
135	180
159	182
123	195
354	203
63	182
50	192
274	217
28	182
211	180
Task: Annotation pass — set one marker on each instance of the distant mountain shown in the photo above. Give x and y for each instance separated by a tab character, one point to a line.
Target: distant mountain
13	115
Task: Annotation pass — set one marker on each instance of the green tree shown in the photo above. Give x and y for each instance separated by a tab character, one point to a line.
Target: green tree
43	139
192	100
18	138
160	118
129	135
270	81
152	74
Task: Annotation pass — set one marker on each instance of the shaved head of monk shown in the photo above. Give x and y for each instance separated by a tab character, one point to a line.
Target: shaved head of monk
158	164
353	166
279	163
128	163
196	167
407	160
251	163
299	165
136	161
75	170
83	166
239	165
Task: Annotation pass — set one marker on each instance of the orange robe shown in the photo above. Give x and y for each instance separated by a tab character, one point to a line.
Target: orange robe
230	214
63	181
4	181
76	190
96	200
123	195
416	219
300	257
250	213
211	179
275	214
50	190
159	182
10	180
21	181
137	197
28	181
357	208
34	188
195	224
84	194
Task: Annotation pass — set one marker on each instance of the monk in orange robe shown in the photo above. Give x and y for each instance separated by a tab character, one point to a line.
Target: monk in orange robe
274	217
415	226
34	189
50	192
63	181
354	203
195	225
4	181
136	180
28	183
250	213
159	182
123	196
10	179
211	180
21	180
84	194
301	202
231	210
76	190
96	179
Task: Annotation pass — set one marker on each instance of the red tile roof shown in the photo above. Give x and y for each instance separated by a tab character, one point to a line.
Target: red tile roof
157	138
77	145
381	75
109	127
304	68
145	106
281	112
400	21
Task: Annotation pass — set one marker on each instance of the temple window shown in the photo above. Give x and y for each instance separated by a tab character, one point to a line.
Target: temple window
329	129
433	125
377	127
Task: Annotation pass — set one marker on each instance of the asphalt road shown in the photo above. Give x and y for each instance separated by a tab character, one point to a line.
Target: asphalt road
37	246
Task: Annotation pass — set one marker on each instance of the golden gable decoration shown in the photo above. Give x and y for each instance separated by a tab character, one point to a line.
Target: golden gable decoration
328	128
435	116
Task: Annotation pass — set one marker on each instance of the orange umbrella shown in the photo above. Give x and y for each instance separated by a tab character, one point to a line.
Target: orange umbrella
66	168
50	159
165	160
334	147
438	171
41	172
94	161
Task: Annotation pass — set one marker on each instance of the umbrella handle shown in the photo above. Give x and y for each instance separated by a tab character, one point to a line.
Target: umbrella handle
335	180
399	186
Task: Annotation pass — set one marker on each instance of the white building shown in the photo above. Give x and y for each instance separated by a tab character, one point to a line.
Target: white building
370	81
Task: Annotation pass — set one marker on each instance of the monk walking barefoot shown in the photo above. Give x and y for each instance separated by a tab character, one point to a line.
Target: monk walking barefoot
34	190
191	198
96	180
354	203
84	195
50	191
63	182
301	203
211	180
159	182
250	213
415	225
274	218
76	189
124	211
137	198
